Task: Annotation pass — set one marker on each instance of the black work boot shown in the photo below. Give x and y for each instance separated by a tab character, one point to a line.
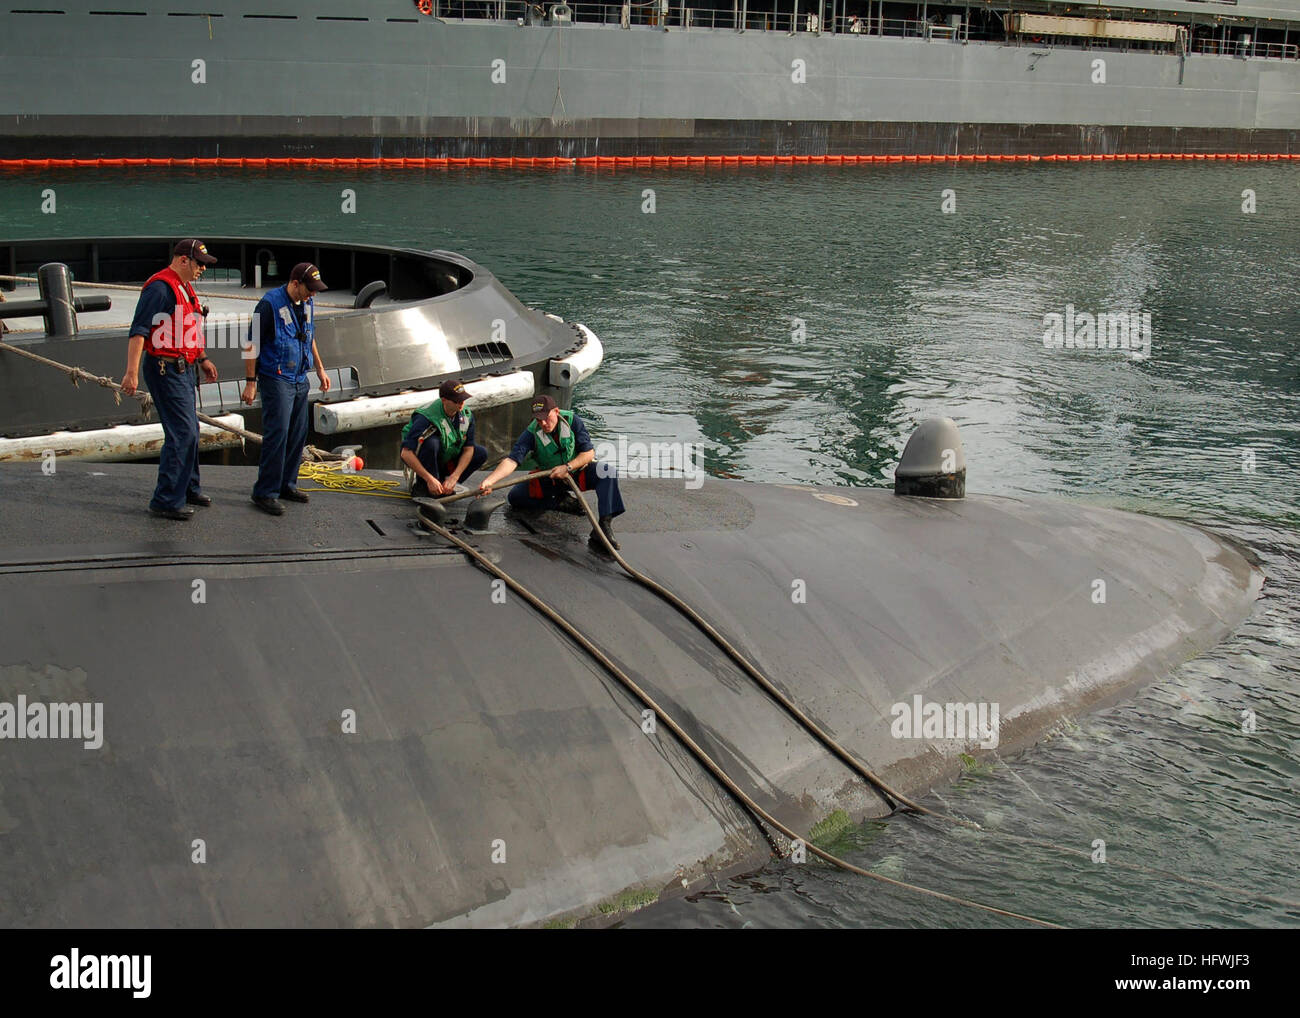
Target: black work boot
269	505
596	544
571	504
183	513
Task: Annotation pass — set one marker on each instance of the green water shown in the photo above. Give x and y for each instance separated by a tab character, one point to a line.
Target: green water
909	312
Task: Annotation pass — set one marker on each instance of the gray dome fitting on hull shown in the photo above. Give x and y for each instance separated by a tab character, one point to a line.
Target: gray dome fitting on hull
933	464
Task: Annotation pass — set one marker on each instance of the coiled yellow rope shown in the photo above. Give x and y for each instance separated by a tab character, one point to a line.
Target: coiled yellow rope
332	477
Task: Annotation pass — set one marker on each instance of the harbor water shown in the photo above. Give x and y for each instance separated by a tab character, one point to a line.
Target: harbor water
794	325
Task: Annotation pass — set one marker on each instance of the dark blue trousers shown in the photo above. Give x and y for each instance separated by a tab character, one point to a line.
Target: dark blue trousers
173	393
431	458
284	434
544	493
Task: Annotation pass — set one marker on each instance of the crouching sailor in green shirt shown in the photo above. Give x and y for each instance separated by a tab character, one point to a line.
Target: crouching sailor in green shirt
438	443
557	440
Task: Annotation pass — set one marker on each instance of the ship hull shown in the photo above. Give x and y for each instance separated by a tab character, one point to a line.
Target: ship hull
144	138
399	86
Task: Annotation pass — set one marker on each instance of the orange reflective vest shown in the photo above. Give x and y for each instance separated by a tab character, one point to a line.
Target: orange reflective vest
179	334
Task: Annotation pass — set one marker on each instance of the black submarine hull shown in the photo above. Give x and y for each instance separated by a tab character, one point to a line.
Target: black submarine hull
352	726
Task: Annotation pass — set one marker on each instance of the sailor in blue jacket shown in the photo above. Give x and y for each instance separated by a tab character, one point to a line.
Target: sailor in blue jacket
284	335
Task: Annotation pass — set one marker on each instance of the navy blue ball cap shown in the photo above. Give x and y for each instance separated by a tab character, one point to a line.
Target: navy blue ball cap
542	406
453	390
195	251
309	276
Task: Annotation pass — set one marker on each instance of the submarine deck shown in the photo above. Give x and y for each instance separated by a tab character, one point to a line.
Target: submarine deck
495	774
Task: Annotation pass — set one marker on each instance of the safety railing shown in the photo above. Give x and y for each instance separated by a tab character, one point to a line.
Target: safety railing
675	14
1239	49
680	15
1246	50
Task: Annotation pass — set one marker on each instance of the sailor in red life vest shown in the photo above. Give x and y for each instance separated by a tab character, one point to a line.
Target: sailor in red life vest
168	330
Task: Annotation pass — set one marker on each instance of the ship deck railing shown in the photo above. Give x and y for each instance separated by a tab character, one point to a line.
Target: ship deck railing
1253	51
650	16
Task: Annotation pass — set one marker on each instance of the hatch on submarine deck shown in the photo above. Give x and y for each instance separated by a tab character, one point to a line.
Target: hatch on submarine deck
478	731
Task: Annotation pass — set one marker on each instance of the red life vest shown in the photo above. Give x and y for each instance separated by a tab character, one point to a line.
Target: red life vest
164	340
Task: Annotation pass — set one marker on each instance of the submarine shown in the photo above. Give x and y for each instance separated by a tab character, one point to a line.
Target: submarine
346	717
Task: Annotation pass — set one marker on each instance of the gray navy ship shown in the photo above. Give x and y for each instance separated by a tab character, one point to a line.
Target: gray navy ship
451	79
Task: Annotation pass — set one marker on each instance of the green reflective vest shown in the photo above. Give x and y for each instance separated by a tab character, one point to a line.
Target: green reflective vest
453	438
547	452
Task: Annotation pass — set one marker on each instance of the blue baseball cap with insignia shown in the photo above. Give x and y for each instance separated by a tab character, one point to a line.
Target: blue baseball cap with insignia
309	276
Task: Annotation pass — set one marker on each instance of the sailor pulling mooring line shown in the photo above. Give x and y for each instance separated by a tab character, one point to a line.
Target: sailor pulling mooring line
557	441
438	447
